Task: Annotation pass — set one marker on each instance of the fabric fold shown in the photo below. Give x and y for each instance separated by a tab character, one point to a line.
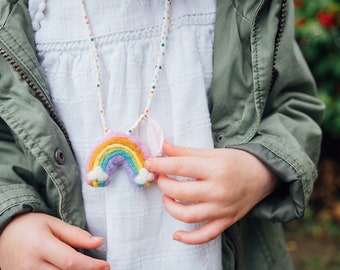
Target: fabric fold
37	9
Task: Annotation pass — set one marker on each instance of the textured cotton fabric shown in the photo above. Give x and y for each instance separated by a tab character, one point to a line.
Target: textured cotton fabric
137	228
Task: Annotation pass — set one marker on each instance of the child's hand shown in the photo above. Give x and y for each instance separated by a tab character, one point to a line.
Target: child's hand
229	184
38	241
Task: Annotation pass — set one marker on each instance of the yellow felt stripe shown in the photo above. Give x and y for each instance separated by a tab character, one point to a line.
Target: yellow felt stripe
114	144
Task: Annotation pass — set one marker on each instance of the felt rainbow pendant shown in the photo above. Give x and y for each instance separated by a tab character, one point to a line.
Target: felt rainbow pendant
119	150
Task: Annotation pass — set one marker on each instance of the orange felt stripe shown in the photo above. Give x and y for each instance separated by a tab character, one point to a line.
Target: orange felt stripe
116	141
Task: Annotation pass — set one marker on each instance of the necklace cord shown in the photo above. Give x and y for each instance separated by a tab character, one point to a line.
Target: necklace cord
155	78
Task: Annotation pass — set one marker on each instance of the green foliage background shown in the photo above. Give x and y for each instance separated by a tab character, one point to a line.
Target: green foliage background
318	34
314	240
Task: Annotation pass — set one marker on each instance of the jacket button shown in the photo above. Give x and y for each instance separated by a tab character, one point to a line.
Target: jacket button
59	156
219	137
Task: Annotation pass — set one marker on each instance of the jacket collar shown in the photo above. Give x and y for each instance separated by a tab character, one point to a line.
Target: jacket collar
17	39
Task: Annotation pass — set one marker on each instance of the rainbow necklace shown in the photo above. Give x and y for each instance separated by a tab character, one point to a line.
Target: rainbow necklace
122	149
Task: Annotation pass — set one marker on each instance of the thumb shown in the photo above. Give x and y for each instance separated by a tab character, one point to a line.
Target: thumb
74	236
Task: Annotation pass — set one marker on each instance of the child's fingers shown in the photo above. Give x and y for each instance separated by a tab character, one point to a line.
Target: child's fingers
186	191
193	167
191	213
46	244
65	257
47	266
175	151
59	250
73	236
204	234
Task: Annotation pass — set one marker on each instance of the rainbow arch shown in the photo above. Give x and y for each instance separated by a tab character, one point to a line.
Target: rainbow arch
119	150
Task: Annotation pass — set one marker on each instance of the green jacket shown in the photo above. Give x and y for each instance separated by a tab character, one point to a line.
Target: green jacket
262	100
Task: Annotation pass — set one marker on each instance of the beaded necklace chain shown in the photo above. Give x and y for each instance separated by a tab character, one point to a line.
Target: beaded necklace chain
122	149
158	67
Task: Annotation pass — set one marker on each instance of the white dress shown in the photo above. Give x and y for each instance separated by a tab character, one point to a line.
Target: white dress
137	229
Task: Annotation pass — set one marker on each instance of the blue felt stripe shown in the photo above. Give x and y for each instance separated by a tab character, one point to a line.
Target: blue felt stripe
126	157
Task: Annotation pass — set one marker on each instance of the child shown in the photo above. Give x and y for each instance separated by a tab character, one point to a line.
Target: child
229	67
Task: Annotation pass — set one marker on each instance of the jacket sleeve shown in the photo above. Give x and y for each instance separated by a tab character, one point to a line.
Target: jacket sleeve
288	137
17	196
263	100
38	170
